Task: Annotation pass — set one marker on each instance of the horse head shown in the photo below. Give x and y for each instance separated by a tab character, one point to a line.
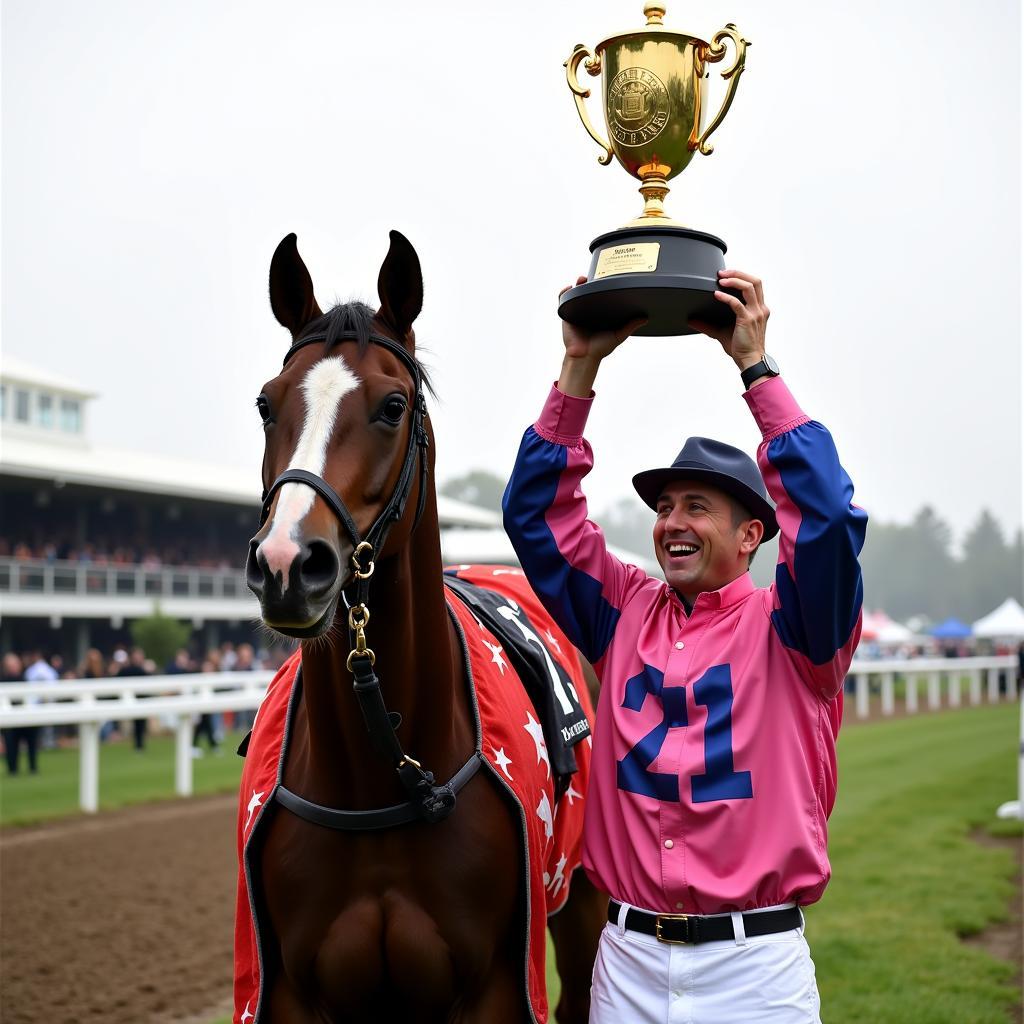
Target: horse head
345	460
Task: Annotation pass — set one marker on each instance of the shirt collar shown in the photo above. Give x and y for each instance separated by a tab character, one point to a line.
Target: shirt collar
732	593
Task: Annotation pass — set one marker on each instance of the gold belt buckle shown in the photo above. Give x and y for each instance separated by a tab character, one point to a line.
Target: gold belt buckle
671	917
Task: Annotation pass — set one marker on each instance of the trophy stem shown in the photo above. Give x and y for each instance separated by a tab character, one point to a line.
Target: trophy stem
654	188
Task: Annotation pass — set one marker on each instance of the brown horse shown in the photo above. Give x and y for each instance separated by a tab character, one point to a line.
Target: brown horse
415	914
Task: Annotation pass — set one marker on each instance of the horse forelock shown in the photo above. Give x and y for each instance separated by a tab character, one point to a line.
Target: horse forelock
345	319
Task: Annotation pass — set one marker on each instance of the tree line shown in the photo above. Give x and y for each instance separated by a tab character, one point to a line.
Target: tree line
909	568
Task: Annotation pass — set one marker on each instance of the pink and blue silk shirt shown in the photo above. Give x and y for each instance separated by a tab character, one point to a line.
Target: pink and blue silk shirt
714	767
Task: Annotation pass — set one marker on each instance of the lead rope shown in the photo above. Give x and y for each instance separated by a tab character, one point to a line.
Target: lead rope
433	803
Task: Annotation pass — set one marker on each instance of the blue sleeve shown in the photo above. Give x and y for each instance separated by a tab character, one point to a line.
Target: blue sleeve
563	553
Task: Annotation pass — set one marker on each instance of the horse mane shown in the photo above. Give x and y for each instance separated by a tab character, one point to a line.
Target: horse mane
355	317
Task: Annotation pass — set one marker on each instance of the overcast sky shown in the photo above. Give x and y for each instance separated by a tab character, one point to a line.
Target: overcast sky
154	154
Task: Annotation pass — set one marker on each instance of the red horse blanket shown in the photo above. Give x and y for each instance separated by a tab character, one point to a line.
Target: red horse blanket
516	758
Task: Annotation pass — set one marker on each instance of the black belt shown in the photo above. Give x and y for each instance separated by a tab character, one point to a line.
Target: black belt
690	929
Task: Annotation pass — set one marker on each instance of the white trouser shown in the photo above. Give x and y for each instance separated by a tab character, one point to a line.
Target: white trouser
639	979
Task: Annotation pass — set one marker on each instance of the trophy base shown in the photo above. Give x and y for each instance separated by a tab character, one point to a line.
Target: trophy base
665	273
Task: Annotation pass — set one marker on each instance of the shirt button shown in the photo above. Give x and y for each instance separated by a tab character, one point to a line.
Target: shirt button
680	645
669	844
679	906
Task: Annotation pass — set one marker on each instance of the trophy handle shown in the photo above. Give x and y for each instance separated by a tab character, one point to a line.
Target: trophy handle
579	94
712	55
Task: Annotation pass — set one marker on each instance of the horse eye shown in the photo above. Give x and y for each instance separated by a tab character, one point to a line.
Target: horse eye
263	408
392	410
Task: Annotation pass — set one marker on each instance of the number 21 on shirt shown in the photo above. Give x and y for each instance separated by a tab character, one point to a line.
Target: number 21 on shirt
720	780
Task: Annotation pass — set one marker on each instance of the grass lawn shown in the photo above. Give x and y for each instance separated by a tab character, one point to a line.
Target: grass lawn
126	777
908	880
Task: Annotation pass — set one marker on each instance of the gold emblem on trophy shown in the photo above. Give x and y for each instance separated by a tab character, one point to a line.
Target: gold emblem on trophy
655	98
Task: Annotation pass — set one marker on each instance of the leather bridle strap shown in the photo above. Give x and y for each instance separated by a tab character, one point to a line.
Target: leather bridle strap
378	818
418	444
323	488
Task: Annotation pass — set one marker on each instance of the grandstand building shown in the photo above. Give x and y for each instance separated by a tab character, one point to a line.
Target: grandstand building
93	537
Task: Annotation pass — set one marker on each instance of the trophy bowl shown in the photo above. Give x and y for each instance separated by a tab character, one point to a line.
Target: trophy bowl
655	99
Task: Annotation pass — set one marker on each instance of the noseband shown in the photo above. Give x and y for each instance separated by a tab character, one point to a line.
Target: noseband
427	802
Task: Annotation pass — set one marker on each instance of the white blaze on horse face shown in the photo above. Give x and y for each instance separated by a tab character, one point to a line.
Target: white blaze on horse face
325	385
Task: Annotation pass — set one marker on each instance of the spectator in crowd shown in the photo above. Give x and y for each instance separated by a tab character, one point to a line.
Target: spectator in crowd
136	666
245	661
209	724
13	671
38	671
41	671
227	656
181	664
93	665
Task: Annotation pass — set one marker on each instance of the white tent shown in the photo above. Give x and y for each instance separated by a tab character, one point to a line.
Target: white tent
1006	622
880	627
893	633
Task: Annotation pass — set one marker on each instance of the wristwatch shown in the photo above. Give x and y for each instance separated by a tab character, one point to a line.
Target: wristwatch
767	367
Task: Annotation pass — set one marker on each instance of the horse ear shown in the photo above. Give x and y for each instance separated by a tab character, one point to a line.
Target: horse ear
400	285
291	288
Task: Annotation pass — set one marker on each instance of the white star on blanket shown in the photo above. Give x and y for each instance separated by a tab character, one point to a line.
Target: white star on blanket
496	657
536	730
247	1015
553	640
556	883
502	760
544	813
570	793
257	799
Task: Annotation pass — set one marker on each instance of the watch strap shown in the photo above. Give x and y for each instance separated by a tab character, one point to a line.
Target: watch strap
756	372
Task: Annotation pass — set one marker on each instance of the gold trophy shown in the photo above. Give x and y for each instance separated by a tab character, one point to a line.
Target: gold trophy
655	98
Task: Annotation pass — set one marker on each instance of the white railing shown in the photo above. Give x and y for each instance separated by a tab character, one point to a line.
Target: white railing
936	675
87	579
90	703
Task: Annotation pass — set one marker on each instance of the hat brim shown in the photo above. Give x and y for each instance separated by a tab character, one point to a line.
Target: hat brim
651	483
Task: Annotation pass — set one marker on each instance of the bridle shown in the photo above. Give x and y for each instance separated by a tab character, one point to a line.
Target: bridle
370	544
427	802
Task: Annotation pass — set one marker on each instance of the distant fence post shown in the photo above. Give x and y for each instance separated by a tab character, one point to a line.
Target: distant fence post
934	691
89	766
887	693
183	756
860	681
975	686
953	678
992	678
911	682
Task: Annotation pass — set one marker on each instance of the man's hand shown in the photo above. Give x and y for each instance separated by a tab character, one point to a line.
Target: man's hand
744	342
585	349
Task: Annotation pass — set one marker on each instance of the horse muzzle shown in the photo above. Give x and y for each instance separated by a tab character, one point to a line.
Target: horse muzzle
297	583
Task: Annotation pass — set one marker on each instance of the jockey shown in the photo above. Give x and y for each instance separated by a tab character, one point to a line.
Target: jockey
714	767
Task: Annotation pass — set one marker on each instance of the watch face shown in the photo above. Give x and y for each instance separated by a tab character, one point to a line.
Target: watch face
771	364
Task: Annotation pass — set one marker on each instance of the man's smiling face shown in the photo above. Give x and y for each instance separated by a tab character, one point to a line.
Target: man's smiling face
703	538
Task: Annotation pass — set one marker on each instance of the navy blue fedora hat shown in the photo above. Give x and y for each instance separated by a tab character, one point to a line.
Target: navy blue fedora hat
721	465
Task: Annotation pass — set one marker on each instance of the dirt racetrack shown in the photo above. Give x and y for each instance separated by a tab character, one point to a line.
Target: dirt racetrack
125	917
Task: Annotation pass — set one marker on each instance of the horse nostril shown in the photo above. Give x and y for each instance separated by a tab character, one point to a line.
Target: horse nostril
255	573
319	569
